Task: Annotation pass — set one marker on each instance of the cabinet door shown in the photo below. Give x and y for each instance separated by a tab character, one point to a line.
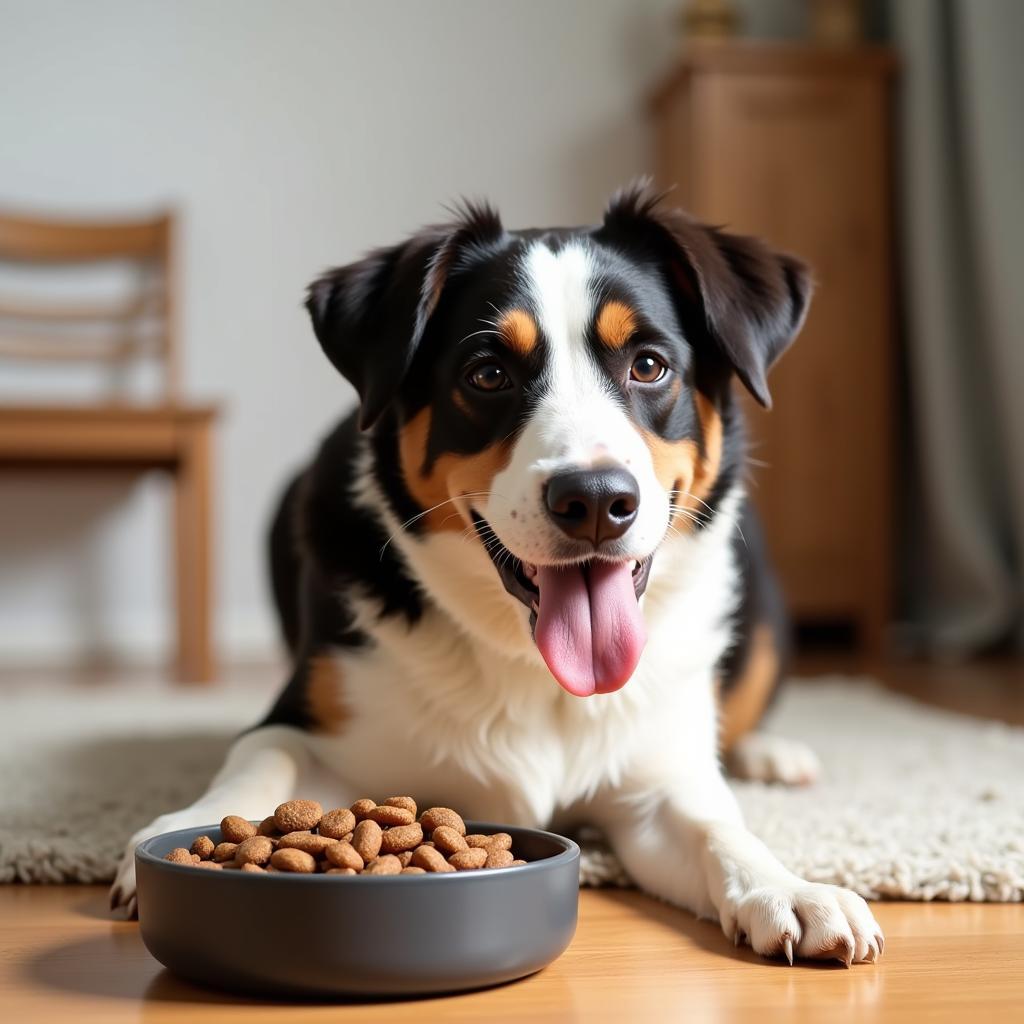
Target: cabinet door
801	161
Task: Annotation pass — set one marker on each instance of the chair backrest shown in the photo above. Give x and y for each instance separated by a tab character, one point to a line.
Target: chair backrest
141	323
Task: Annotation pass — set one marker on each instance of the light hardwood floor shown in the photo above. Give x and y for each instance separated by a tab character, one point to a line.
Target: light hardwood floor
633	960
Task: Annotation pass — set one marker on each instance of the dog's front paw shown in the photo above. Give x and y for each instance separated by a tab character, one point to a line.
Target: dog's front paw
805	919
123	903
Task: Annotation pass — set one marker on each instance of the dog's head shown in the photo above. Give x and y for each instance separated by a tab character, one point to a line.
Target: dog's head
566	392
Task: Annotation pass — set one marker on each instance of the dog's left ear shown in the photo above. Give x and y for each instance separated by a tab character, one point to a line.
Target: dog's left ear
753	299
370	316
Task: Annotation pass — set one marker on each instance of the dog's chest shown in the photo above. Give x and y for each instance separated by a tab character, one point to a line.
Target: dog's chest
433	712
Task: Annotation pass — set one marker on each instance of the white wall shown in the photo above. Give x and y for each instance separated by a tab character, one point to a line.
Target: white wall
291	136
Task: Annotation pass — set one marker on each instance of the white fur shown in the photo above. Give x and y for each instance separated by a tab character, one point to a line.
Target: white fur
461	710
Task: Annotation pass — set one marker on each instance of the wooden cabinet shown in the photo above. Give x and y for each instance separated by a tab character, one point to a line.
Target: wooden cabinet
791	143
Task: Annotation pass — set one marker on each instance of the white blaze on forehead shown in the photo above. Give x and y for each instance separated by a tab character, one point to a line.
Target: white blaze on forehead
578	415
562	289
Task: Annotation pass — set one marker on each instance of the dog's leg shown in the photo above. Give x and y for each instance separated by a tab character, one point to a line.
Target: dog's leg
764	757
260	772
687	844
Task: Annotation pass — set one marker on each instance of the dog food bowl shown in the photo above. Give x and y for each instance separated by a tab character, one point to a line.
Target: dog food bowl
326	935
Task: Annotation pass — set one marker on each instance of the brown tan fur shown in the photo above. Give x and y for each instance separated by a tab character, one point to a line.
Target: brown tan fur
325	694
616	324
681	467
519	331
744	704
450	476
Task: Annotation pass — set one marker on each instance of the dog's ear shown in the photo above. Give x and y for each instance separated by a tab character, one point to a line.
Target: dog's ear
370	316
753	300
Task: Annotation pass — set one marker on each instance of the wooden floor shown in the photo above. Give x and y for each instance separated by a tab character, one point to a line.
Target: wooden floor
632	961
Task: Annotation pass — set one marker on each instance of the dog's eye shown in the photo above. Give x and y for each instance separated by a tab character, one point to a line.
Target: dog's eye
488	377
647	369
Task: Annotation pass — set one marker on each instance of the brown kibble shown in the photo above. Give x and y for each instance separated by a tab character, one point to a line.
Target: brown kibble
468	859
344	855
234	829
312	844
402	838
499	859
501	841
338	823
387	864
298	816
254	850
435	816
429	859
367	839
224	851
204	847
361	808
391	815
296	861
448	840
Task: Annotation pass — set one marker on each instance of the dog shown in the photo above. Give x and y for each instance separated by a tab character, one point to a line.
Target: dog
523	579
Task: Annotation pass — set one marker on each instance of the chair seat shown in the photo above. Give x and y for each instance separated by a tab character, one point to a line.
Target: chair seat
131	434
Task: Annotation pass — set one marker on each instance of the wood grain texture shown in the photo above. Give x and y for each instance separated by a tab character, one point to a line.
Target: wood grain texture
632	960
791	143
173	438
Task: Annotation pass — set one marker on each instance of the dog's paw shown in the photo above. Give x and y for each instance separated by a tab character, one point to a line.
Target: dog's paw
761	757
805	919
123	903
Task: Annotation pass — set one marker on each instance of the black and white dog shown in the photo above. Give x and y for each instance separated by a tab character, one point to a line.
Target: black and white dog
519	569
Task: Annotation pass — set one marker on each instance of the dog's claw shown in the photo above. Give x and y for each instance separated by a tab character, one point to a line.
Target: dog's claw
787	948
880	943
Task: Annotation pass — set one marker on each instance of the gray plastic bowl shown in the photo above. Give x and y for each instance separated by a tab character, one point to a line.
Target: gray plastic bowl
330	935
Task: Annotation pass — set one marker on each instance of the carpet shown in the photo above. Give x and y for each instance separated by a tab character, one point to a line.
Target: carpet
915	803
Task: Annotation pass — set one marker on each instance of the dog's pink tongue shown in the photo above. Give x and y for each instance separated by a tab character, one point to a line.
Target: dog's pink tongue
589	627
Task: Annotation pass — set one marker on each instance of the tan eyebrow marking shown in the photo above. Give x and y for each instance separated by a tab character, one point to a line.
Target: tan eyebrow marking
519	331
616	324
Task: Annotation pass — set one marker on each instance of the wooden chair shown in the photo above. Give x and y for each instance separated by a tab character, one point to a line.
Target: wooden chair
114	434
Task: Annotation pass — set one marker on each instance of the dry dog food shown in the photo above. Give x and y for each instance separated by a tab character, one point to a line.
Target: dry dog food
365	839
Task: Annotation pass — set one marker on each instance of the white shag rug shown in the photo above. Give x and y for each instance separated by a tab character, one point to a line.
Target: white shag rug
915	803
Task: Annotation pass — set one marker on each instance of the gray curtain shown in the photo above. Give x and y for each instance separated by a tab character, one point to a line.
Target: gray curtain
960	201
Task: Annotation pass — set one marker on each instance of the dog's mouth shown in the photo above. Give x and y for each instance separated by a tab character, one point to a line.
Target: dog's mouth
585	616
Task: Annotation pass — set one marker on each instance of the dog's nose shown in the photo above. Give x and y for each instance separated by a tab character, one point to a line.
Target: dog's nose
593	505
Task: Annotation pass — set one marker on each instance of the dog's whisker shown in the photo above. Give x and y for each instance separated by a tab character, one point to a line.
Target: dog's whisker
413	519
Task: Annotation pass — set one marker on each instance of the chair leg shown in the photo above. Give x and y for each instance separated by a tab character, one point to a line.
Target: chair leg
195	661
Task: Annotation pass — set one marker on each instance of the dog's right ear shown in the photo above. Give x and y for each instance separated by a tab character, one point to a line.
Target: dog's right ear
370	316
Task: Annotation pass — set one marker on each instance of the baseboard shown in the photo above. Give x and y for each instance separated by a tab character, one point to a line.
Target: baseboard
132	639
